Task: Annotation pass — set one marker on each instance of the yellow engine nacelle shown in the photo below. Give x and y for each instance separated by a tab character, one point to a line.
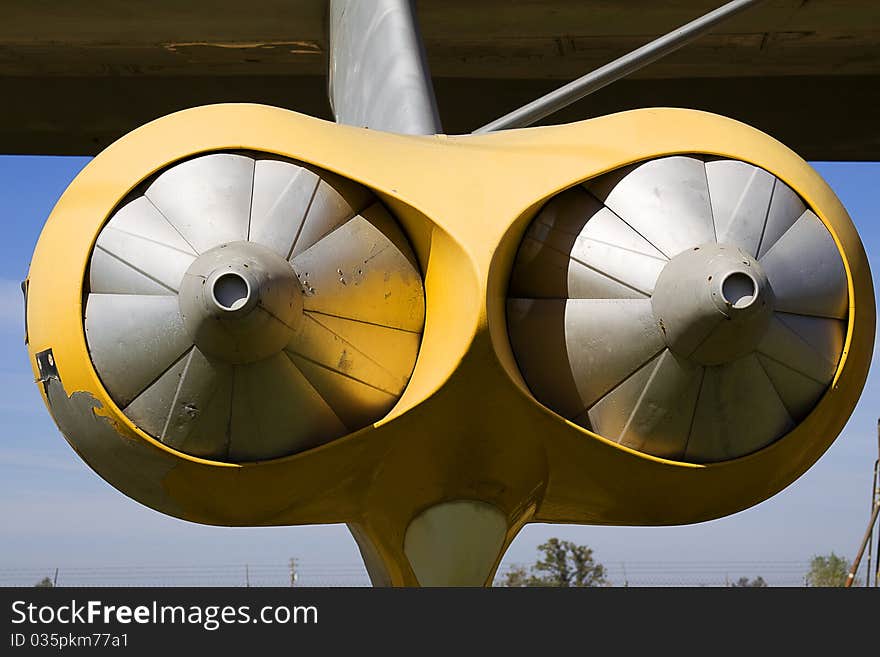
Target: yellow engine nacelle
240	315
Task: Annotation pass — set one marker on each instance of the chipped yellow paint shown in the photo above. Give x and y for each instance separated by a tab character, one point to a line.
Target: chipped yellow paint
467	427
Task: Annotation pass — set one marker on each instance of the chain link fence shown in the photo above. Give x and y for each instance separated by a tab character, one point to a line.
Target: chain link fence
317	574
280	574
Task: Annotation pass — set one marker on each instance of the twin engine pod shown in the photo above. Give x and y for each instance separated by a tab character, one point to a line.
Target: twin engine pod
242	307
690	308
241	315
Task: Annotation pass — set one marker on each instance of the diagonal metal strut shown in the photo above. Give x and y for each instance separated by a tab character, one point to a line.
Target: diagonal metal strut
621	67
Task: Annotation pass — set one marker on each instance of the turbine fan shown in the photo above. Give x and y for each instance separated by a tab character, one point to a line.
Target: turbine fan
244	307
686	307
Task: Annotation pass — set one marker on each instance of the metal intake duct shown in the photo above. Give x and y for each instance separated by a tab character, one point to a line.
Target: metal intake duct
243	307
688	307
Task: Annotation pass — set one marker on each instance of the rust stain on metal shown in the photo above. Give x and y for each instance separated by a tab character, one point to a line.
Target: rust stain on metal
294	47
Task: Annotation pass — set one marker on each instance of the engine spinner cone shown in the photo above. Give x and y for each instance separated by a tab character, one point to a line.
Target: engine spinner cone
713	303
240	302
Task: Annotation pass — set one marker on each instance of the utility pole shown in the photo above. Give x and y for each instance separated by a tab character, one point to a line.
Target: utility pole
293	572
876	498
867	539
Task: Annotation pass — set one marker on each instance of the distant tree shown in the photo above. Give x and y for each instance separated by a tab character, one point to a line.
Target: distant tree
564	564
828	570
516	576
745	582
44	583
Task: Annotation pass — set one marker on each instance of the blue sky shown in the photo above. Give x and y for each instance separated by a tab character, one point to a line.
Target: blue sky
57	513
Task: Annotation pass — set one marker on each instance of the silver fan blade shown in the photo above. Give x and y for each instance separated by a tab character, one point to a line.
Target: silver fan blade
378	356
276	411
207	199
799	393
150	409
336	200
198	422
607	340
783	344
580	208
283	193
188	406
139	237
609	416
806	271
356	404
537	336
142	219
609	257
110	275
740	194
630	268
572	353
133	339
665	200
653	409
738	412
543	272
786	207
360	271
824	335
